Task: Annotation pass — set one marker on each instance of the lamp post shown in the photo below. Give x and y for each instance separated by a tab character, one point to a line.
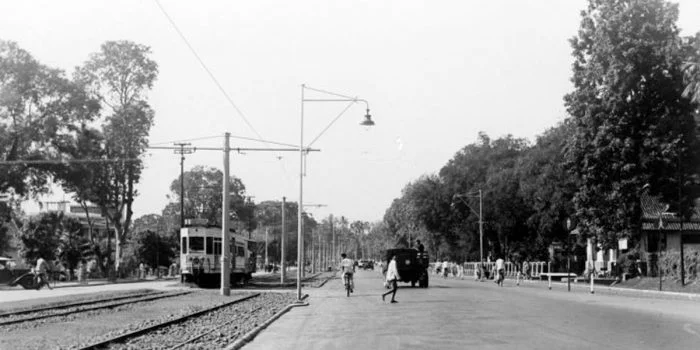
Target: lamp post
481	223
302	150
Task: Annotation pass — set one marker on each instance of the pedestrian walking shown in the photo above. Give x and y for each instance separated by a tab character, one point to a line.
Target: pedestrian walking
445	269
392	276
500	271
526	270
40	271
142	271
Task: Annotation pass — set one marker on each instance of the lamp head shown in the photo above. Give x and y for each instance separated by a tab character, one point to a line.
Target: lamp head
368	120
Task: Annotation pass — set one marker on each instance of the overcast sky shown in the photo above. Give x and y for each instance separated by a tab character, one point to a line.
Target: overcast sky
434	72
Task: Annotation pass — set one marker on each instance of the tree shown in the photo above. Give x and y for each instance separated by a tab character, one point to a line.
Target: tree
203	189
547	189
632	127
71	242
691	69
153	248
119	75
51	236
37	105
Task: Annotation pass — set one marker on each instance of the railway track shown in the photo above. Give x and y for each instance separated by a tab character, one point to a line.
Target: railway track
15	317
200	333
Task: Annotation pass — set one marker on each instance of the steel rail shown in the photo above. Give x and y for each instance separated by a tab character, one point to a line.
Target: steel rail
74	304
138	332
108	306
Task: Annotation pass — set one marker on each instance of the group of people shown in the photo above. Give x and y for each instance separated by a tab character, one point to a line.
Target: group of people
447	268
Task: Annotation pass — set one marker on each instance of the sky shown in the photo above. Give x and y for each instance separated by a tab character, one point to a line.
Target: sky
435	74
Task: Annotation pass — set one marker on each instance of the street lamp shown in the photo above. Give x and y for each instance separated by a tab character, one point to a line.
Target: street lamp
366	122
481	222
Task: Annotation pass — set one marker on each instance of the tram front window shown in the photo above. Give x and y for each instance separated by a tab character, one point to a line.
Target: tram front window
196	244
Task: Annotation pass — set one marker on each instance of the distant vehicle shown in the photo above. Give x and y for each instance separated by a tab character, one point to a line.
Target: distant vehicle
200	255
411	265
365	264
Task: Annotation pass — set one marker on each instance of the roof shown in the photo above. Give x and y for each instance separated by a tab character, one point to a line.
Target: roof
655	216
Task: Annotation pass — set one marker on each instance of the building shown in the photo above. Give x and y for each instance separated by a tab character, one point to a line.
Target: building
661	231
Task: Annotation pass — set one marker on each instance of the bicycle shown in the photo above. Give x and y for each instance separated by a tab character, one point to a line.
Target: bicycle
348	283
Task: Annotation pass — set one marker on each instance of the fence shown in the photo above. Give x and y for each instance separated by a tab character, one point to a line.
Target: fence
536	268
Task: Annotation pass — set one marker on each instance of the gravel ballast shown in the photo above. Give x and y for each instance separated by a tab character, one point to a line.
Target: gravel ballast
74	331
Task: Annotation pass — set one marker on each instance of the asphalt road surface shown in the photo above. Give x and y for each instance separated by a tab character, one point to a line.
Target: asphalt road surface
465	314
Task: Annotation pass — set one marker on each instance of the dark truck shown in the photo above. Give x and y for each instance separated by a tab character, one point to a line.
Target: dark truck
412	265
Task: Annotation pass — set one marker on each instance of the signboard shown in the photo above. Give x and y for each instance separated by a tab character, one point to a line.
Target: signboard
622	244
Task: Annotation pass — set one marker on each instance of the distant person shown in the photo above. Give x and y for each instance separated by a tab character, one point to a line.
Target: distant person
41	276
526	270
142	271
500	271
445	268
392	276
420	246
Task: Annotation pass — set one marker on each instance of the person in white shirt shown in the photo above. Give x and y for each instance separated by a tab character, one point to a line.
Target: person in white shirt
41	276
392	276
347	268
500	269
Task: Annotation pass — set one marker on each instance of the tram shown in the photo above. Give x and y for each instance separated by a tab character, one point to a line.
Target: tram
200	254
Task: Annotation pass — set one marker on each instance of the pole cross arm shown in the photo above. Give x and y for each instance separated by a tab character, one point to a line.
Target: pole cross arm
462	196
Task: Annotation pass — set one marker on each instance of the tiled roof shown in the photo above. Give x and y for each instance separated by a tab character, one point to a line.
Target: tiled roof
671	226
654	210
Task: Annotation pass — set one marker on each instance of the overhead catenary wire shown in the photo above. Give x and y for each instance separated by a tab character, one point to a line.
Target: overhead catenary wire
211	75
66	161
216	82
187	140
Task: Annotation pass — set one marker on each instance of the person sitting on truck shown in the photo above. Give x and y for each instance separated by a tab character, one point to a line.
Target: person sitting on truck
347	267
421	247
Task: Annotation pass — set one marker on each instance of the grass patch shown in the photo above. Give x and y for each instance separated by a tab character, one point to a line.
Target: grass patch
667	285
66	299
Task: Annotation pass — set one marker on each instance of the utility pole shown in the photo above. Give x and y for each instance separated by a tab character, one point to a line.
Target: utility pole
332	258
680	217
283	266
225	251
182	151
267	231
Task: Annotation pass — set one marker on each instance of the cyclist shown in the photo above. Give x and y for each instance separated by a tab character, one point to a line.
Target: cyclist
347	267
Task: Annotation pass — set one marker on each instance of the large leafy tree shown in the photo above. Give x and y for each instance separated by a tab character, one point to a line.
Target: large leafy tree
632	126
51	236
691	69
119	75
37	105
547	189
203	189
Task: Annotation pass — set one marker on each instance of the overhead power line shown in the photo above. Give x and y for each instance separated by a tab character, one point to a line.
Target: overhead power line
67	161
211	75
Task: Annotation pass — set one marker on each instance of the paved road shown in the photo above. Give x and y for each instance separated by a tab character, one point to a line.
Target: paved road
464	314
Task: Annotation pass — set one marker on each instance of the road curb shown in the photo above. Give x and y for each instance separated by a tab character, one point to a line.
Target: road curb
248	337
285	284
621	291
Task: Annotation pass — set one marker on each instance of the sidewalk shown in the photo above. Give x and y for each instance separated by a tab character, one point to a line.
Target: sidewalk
323	324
